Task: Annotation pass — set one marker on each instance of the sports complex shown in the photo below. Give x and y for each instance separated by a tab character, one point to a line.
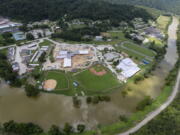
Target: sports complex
95	80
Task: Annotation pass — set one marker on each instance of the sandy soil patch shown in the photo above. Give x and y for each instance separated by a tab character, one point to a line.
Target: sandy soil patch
100	73
50	85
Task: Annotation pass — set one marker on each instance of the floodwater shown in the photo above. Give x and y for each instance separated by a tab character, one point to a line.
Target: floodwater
50	109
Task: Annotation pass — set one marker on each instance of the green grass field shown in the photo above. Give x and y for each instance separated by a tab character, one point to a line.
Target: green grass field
45	43
140	49
163	22
131	48
97	84
60	77
158	42
88	82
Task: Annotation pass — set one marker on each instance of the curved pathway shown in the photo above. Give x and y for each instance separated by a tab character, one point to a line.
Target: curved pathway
173	27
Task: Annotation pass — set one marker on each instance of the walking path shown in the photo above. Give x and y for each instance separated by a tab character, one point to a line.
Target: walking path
172	29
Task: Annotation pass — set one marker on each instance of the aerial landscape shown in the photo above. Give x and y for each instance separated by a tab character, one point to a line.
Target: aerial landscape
89	67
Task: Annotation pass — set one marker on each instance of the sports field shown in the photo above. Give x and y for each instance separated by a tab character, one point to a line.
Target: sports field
136	51
60	77
99	81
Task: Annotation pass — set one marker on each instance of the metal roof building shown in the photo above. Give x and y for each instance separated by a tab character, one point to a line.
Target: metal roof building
128	67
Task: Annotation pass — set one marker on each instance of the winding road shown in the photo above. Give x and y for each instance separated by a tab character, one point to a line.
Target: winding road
169	56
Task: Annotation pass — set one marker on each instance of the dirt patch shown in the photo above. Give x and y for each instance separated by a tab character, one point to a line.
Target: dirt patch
98	73
50	85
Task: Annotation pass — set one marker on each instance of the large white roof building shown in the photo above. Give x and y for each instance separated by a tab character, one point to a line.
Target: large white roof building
128	67
67	62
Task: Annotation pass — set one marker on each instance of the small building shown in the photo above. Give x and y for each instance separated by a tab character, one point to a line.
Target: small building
8	26
128	67
111	56
83	52
25	52
99	38
19	36
15	67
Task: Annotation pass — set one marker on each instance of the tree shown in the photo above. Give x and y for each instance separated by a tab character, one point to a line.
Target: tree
31	91
21	128
39	35
68	128
89	100
23	28
123	118
42	58
29	36
145	102
76	102
7	35
81	128
54	130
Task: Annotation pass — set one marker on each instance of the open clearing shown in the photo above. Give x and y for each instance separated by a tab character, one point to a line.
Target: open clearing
163	22
157	42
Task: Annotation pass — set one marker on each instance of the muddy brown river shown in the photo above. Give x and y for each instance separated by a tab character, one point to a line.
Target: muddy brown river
51	109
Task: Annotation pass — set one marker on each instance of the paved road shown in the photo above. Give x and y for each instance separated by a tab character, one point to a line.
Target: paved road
163	106
1	48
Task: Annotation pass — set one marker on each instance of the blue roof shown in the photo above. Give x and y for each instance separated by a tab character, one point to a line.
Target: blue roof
19	36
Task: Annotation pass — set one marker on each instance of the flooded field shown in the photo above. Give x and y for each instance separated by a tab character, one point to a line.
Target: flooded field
50	109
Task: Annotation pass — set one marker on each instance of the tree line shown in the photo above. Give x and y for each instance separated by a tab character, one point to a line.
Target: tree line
35	10
14	128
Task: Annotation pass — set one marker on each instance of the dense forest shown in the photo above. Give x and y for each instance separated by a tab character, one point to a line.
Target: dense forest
167	5
35	10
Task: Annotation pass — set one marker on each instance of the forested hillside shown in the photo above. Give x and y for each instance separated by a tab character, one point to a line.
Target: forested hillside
35	10
167	5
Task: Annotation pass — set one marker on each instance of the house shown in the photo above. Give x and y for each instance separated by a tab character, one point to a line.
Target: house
111	56
128	67
8	26
99	38
154	32
15	67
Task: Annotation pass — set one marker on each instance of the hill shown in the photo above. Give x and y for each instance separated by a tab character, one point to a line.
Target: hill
167	5
35	10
